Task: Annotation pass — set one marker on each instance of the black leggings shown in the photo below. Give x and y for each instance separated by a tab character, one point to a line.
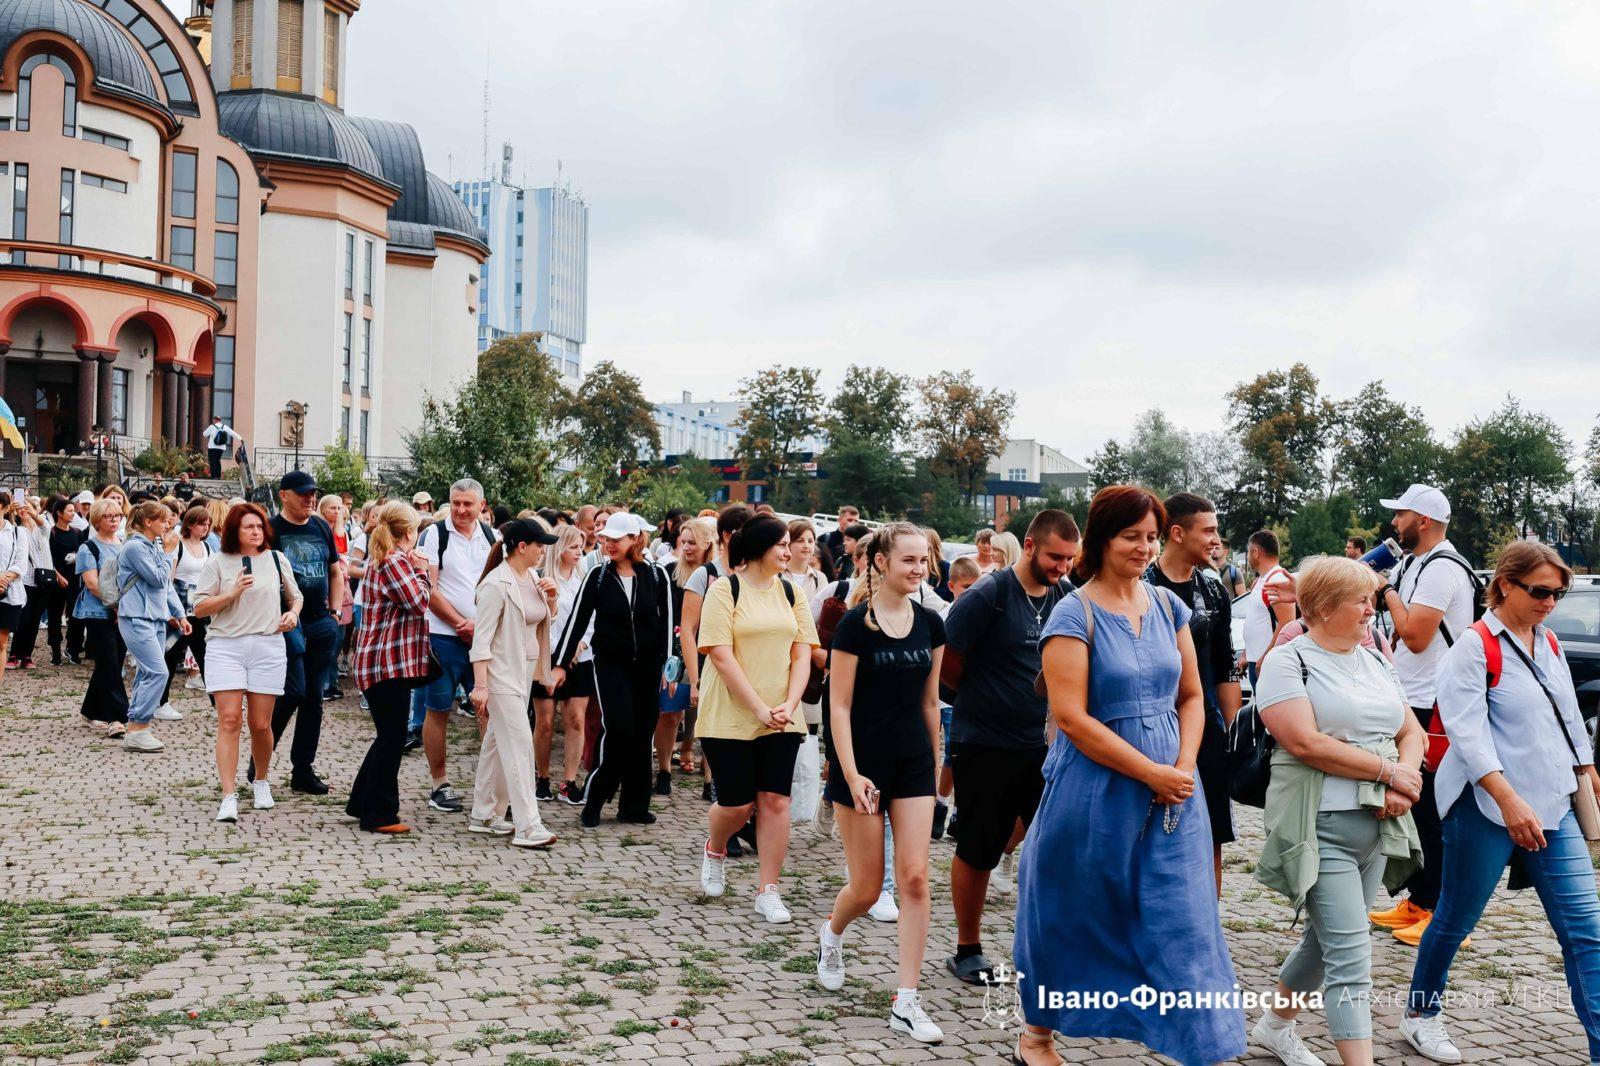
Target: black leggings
196	642
375	796
629	708
106	699
27	634
58	604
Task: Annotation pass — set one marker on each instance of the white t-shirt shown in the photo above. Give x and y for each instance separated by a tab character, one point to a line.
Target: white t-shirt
1259	624
1355	696
464	558
566	601
1444	586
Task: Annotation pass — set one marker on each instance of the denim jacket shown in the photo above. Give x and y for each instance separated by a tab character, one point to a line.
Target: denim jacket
146	573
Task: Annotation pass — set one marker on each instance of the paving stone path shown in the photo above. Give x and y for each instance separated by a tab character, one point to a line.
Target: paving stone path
133	928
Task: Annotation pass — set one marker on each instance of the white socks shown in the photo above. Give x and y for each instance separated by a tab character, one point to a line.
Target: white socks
1273	1020
829	937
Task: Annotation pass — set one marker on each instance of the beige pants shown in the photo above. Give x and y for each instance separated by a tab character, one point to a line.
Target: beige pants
505	765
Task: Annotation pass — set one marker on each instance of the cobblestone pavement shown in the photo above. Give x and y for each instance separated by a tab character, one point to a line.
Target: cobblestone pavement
136	929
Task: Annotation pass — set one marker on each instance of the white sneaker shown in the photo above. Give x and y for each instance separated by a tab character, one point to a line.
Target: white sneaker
770	906
263	795
884	910
498	826
713	873
167	713
907	1016
830	961
1002	882
1283	1042
195	681
537	836
1428	1036
141	740
229	810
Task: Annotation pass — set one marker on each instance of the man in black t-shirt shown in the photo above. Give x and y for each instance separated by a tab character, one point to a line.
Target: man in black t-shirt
997	732
307	542
1191	537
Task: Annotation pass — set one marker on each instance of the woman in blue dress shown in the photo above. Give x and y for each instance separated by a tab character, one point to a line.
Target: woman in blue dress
1117	927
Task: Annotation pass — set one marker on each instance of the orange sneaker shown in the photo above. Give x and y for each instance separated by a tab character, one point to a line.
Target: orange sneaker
397	827
1404	914
1412	934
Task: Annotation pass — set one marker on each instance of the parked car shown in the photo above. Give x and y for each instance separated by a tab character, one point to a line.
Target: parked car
1576	622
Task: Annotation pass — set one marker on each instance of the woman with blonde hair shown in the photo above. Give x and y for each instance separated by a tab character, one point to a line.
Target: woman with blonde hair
147	604
510	650
105	700
391	659
218	510
1007	549
37	575
564	567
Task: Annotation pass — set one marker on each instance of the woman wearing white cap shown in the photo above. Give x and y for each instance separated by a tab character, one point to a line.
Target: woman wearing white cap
628	599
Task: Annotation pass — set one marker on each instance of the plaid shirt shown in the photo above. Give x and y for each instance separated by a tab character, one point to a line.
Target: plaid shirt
393	642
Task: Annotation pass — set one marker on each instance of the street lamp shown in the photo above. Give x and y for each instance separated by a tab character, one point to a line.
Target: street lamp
292	427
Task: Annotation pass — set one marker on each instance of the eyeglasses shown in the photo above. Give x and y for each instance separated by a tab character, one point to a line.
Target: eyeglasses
1539	592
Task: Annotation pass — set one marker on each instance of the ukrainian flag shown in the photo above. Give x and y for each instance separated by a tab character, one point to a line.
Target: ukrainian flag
8	426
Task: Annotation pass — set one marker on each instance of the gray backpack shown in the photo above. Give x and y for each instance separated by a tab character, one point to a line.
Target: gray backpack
112	589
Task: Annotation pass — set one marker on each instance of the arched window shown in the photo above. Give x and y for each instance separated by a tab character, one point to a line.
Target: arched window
227	193
69	107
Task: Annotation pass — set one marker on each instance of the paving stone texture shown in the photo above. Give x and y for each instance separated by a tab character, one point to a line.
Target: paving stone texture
134	928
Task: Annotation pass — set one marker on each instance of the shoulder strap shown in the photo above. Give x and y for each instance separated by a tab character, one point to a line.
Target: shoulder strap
733	588
788	589
283	589
1305	671
488	531
1165	597
1492	652
1555	645
1555	708
442	528
1088	619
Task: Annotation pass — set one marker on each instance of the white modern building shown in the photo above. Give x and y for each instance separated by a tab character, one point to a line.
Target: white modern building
1030	461
691	425
537	278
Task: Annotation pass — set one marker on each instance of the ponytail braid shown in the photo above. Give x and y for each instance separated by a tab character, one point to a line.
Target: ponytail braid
872	620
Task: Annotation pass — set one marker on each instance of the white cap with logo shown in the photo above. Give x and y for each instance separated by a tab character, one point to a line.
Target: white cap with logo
1425	500
623	524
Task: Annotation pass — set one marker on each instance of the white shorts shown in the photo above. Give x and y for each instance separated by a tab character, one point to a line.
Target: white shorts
254	663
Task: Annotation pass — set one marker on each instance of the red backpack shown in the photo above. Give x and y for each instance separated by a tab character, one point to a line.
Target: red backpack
1494	658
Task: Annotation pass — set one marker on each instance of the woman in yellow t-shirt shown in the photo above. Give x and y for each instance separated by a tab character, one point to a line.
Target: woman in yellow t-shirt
757	630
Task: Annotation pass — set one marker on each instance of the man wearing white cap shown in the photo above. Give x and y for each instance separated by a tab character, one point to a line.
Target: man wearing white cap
1431	605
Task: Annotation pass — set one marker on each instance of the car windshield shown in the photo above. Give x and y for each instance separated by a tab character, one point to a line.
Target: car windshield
1578	616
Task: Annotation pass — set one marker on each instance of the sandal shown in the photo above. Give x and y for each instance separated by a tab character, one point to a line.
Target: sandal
686	765
971	970
1031	1041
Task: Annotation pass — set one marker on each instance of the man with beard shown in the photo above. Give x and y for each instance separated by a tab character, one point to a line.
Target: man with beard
1191	537
998	727
1431	605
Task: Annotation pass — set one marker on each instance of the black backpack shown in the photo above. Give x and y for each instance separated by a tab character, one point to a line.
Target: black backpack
1480	588
443	527
733	587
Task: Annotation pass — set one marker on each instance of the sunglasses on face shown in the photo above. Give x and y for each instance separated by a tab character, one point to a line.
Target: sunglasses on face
1539	592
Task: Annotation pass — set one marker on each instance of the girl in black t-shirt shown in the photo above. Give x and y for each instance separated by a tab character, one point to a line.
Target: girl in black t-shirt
881	730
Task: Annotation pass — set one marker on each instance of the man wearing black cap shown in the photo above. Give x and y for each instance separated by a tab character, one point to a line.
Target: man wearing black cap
307	542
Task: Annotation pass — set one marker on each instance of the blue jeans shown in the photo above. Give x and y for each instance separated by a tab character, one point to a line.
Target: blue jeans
146	639
302	693
1475	854
454	655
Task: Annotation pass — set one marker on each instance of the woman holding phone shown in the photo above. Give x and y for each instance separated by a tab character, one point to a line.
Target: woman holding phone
881	735
247	597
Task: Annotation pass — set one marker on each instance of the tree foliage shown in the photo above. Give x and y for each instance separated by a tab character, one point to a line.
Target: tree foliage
1075	504
1503	475
872	404
609	423
962	427
782	407
1110	466
502	427
342	469
1381	447
1284	426
869	476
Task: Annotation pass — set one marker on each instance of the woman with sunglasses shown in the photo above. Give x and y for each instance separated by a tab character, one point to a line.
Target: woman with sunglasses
1506	789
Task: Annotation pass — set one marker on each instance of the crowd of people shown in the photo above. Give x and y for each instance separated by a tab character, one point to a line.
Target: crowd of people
1060	703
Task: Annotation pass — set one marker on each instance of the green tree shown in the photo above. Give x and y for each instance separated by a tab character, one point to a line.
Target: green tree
1381	446
1503	477
963	427
872	404
1284	427
664	488
609	423
781	407
946	509
867	474
1160	455
699	473
1314	531
1591	457
342	469
1110	466
502	427
1075	504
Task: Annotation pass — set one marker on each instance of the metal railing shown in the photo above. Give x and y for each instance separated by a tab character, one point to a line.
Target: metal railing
270	464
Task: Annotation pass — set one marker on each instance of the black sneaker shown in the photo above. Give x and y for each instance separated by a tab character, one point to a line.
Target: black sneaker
571	794
735	850
75	660
308	782
663	782
334	693
705	791
444	798
541	789
647	818
747	833
950	827
413	741
590	817
940	811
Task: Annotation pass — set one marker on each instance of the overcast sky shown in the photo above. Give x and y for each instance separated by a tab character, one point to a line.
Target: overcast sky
1103	206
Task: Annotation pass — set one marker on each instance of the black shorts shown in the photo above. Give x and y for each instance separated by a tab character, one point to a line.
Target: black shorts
10	615
900	771
741	768
994	788
1216	782
579	684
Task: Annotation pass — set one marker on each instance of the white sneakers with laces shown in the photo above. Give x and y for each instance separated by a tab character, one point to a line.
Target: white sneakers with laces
907	1016
1429	1037
770	906
229	811
713	873
536	836
262	795
141	740
830	960
167	713
1283	1041
498	826
885	910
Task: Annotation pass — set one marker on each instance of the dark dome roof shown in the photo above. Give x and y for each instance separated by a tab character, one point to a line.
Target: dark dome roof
446	212
399	152
296	128
118	63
